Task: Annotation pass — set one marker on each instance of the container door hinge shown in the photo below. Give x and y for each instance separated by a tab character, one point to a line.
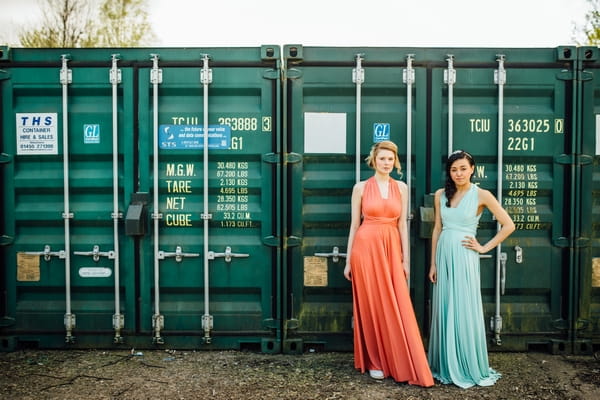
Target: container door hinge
6	240
270	323
574	159
578	243
5	158
271	158
293	241
293	158
271	74
272	241
293	73
586	76
565	75
4	75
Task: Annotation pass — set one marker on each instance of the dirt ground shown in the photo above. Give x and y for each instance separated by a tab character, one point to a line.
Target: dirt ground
165	374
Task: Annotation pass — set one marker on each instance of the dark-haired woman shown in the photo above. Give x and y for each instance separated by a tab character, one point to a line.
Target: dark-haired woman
457	344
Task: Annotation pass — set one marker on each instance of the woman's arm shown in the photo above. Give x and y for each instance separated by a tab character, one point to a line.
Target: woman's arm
354	224
403	227
437	229
487	199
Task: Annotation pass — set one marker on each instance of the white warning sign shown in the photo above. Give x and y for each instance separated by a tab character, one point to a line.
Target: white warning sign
37	133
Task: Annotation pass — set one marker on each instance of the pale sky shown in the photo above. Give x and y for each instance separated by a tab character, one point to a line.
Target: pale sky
387	23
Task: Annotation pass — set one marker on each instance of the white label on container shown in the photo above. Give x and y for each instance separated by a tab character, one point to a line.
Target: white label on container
37	133
95	272
325	133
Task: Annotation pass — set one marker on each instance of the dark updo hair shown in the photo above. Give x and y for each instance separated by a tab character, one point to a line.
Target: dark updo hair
450	186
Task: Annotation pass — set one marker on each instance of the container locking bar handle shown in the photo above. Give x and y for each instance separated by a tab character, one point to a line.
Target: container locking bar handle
158	320
358	77
66	77
450	80
178	254
335	254
47	253
96	253
115	79
206	79
500	80
228	255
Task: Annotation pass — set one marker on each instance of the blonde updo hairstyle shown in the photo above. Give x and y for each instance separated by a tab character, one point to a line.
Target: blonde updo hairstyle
383	145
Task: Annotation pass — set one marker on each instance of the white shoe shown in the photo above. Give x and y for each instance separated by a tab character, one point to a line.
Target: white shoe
376	374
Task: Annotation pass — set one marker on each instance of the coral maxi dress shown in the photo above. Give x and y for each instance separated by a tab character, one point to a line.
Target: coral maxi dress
386	334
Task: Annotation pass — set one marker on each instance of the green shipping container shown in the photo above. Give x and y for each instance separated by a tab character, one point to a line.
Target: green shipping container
200	198
118	227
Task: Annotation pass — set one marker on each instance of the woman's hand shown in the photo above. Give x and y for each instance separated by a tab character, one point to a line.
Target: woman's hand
433	273
348	272
470	242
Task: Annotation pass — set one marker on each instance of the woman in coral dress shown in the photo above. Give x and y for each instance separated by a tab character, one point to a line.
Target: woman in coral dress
387	341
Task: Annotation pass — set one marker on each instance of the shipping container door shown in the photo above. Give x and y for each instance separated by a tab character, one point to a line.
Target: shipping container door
525	95
586	288
209	265
60	192
334	99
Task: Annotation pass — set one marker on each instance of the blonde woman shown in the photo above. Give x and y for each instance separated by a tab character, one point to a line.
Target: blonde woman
387	341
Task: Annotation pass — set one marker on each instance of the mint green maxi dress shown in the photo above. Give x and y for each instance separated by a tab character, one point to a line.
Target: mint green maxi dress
457	344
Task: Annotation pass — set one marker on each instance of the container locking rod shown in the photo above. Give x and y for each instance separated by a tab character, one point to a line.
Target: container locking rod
228	255
66	78
335	254
358	77
206	79
158	321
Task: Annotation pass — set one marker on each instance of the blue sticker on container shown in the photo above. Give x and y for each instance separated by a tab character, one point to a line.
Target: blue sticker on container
185	137
381	132
91	133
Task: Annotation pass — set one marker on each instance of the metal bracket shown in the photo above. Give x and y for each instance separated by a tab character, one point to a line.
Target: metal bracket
115	73
66	75
178	254
408	74
47	253
503	259
155	72
500	73
228	255
335	254
450	73
118	321
96	253
518	255
205	73
358	73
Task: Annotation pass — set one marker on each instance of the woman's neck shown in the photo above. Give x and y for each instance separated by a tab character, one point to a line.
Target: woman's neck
463	188
381	177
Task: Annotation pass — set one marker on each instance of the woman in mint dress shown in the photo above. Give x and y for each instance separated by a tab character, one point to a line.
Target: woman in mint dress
457	344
